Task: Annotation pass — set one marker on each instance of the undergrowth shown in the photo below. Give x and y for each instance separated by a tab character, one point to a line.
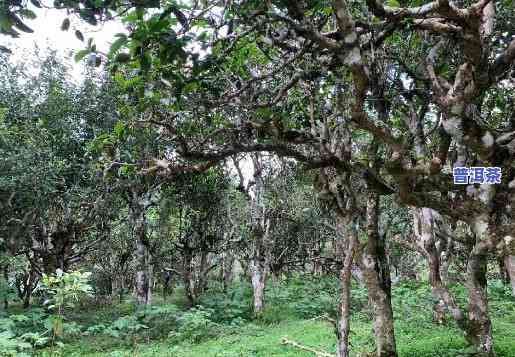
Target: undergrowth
222	324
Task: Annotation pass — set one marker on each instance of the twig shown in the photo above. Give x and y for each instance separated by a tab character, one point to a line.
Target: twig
317	353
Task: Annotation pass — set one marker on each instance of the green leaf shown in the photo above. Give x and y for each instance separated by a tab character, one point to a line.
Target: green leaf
89	16
146	61
36	3
190	87
123	57
28	14
18	23
180	16
79	35
115	47
126	170
119	129
5	50
65	25
81	54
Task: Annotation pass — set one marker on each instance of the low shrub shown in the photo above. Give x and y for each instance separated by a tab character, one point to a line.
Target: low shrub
196	325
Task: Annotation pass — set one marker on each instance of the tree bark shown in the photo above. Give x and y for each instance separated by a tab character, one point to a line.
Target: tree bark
376	274
203	272
509	265
227	269
5	271
348	253
479	332
425	233
143	283
189	276
259	274
259	265
477	325
446	259
143	273
117	287
445	300
28	288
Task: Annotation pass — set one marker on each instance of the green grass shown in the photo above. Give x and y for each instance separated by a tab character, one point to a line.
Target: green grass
423	340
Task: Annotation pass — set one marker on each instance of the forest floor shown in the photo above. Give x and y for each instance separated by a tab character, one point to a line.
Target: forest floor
264	341
221	326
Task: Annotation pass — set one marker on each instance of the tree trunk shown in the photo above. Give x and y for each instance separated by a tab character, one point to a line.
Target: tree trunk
477	326
188	276
168	284
424	228
202	272
6	278
258	272
357	274
348	252
479	331
117	287
503	272
227	269
28	288
376	274
445	300
480	327
142	254
509	265
143	273
446	258
260	262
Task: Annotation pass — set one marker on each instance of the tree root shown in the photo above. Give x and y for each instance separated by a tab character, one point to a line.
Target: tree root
317	353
